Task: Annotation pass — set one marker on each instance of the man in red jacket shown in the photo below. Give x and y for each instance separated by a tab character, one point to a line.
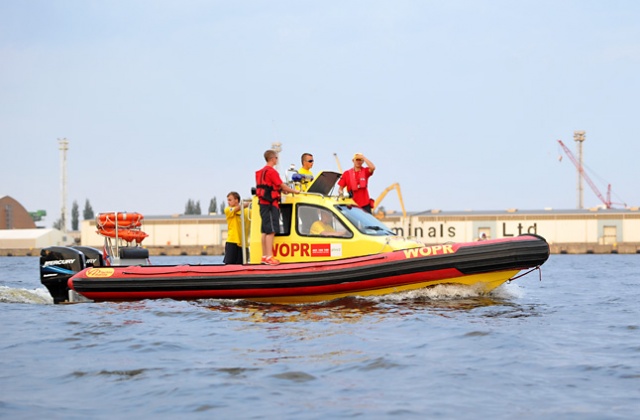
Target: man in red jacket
268	187
356	180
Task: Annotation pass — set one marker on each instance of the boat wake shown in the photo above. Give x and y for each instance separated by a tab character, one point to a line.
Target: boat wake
437	293
449	292
35	296
448	297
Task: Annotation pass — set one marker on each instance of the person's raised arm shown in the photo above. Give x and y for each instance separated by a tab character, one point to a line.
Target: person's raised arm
370	164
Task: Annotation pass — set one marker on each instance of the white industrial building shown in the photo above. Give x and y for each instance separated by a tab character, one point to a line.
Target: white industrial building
31	239
578	231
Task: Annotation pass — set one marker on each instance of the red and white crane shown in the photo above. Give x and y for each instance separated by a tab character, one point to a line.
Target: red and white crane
606	201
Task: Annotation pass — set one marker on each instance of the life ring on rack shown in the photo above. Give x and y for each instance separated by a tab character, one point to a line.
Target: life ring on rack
125	220
128	235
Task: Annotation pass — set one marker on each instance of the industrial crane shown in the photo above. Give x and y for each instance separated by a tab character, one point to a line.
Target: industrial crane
606	201
395	185
335	155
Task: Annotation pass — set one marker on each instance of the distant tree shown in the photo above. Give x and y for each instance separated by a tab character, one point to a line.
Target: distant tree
87	213
213	205
75	216
221	208
188	209
192	207
58	224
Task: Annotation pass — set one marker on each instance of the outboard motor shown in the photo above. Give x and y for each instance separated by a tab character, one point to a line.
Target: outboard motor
93	257
57	265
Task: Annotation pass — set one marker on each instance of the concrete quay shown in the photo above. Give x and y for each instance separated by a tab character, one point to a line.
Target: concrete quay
154	251
588	248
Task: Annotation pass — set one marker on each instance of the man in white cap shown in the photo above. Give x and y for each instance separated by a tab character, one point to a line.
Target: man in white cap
356	180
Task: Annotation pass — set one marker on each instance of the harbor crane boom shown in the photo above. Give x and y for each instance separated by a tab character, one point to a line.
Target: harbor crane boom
606	201
335	155
384	193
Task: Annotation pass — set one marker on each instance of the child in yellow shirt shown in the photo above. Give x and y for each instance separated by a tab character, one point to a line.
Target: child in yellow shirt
233	246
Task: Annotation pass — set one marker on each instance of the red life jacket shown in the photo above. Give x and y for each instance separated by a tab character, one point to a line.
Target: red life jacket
264	191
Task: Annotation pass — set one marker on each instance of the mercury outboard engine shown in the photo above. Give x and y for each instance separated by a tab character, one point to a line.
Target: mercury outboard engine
92	256
59	263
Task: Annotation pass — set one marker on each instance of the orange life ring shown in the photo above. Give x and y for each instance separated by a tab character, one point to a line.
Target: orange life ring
125	220
128	235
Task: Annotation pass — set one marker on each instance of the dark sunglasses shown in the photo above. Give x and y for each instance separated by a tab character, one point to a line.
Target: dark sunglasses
310	161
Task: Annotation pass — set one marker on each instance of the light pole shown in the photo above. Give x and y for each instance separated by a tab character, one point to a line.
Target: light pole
277	147
579	137
64	146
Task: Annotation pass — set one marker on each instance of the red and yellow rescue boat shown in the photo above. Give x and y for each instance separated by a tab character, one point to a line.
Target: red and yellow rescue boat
484	265
357	255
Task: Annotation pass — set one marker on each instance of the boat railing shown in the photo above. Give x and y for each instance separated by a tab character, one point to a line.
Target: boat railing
243	224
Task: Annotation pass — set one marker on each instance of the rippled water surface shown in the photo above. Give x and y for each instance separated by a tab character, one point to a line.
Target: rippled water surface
564	347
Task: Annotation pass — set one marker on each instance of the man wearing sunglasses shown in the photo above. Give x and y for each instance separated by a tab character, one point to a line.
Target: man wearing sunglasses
356	180
305	170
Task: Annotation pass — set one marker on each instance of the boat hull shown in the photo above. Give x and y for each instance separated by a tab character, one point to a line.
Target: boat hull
485	265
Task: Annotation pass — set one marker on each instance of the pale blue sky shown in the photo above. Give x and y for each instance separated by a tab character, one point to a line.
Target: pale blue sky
461	102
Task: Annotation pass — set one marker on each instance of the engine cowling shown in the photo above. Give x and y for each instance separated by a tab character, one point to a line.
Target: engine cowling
59	263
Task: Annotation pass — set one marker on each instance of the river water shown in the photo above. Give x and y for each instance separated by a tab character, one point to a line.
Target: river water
567	346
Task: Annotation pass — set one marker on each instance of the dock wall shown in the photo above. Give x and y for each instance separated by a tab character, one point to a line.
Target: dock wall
154	251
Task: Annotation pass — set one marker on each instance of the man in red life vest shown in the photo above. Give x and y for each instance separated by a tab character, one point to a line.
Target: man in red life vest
356	179
268	187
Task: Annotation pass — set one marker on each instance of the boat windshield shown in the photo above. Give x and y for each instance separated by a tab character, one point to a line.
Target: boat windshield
364	221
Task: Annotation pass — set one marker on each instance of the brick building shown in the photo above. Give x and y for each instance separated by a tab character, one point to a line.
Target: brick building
13	215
